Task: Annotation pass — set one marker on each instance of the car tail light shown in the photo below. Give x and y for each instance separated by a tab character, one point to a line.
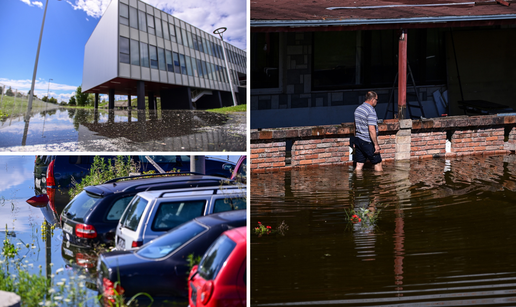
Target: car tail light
51	181
85	231
51	193
84	260
137	243
110	290
206	292
38	201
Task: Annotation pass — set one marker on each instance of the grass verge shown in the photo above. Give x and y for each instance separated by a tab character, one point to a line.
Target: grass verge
226	110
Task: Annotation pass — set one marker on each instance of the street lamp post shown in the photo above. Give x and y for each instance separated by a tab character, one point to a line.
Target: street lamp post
48	89
219	31
29	105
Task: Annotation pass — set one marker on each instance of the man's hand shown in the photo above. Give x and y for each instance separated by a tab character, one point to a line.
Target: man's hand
376	149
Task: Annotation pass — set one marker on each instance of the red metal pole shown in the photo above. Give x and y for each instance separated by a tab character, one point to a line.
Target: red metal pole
402	73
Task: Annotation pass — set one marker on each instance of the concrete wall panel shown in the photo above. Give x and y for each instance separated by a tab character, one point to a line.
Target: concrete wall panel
101	50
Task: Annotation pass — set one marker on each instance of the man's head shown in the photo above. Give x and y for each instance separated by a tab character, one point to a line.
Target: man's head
371	98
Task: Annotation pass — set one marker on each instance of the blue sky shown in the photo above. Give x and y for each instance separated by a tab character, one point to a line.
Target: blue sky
69	24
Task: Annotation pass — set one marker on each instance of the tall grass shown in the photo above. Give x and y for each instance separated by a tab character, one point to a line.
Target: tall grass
13	107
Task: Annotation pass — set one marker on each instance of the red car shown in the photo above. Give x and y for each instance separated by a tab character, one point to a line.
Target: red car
220	277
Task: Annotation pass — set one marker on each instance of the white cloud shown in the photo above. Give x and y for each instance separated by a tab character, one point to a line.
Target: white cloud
93	8
41	88
35	3
207	15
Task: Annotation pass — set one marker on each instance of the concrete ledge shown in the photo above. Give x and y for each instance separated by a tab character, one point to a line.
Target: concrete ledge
9	299
399	140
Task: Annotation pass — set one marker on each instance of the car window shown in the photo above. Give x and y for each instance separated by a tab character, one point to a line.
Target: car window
242	171
215	257
80	206
172	214
228	204
134	213
118	208
172	241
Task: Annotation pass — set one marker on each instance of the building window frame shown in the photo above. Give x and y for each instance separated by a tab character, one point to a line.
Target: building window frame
124	14
281	65
124	50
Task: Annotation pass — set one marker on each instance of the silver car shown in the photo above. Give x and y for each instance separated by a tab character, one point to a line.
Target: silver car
151	214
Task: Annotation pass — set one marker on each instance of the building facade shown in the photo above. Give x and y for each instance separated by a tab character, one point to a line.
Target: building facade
312	65
137	49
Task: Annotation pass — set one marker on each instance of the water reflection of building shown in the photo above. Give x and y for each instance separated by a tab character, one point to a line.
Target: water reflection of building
139	50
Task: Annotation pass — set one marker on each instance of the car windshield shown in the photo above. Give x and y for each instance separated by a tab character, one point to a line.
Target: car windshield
173	240
133	213
79	207
215	257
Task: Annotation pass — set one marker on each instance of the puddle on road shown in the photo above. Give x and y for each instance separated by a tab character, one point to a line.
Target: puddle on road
65	130
445	235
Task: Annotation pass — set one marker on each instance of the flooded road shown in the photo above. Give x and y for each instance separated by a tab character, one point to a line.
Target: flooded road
445	235
82	130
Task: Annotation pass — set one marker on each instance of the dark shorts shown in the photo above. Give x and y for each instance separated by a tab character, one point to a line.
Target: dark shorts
365	151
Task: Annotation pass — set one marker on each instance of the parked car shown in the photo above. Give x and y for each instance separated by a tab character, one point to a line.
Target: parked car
160	268
238	171
151	214
92	216
219	279
55	175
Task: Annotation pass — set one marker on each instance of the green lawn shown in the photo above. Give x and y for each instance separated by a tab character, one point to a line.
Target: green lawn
226	110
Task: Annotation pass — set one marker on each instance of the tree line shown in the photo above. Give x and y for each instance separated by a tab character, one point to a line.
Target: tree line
79	99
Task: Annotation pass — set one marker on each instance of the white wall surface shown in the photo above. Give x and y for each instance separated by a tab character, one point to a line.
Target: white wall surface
101	51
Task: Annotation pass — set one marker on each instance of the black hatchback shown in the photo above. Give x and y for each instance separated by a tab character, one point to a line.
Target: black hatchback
160	267
91	217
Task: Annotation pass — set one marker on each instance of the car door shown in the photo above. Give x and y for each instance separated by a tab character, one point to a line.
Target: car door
128	233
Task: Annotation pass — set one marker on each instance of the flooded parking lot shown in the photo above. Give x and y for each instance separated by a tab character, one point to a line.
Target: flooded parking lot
40	242
82	130
444	236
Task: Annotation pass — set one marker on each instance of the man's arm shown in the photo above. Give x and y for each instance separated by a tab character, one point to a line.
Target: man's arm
372	134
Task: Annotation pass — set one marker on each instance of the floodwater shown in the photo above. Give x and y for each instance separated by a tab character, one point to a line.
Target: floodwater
82	130
445	235
24	226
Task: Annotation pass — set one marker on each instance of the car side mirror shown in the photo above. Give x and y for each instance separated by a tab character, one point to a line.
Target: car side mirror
228	167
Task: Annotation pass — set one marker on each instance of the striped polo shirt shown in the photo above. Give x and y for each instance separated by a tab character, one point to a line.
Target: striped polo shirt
365	115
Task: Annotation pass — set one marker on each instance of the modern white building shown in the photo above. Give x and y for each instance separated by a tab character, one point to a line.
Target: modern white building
137	49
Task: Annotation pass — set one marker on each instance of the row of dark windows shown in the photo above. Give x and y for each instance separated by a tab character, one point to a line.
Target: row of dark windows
137	19
344	60
145	55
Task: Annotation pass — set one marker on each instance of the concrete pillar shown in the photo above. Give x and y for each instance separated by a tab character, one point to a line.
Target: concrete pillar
96	105
403	140
129	101
402	75
140	92
111	104
197	164
152	104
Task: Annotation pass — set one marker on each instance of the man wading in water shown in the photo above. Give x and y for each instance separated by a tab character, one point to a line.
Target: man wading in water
366	134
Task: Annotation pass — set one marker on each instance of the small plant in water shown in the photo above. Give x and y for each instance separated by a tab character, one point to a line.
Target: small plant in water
267	230
366	216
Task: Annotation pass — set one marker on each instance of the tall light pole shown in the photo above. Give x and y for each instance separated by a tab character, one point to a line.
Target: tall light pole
29	105
219	31
48	89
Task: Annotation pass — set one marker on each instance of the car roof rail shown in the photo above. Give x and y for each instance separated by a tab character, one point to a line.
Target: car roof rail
201	189
152	175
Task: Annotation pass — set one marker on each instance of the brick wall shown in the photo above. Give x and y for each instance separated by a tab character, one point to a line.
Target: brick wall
323	151
326	145
428	144
268	155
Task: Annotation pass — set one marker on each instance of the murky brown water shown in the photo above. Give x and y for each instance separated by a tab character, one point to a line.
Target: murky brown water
445	237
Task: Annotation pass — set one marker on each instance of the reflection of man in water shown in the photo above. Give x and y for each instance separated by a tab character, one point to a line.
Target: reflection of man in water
366	134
